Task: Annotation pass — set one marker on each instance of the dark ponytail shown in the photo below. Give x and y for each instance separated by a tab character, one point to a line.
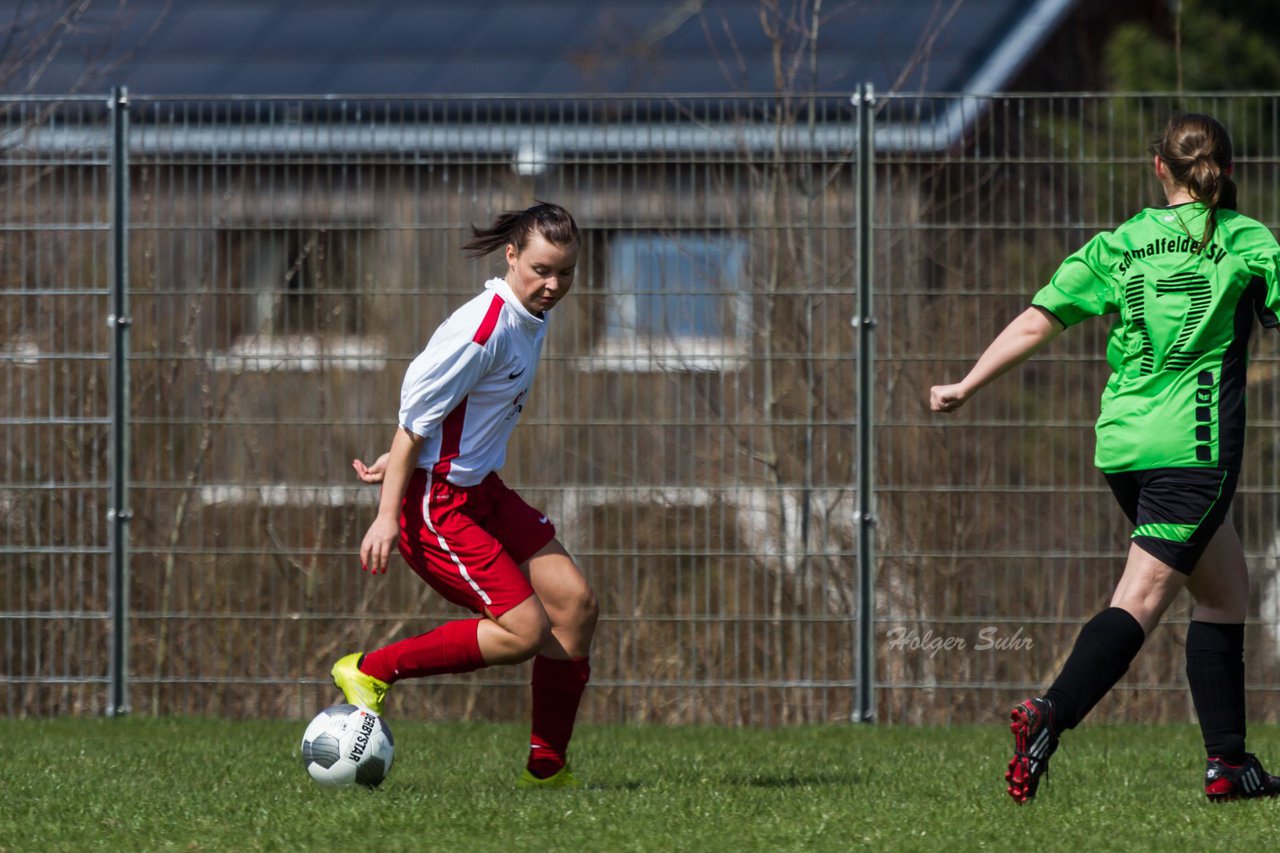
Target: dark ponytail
1196	149
552	221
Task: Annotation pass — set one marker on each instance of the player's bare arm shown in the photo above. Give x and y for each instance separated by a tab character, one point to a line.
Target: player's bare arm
1020	340
375	550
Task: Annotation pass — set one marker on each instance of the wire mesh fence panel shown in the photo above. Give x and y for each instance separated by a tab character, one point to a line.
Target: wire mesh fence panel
687	432
705	370
691	431
54	360
999	538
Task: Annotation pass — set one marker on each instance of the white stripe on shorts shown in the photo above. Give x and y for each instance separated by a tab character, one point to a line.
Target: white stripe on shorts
426	517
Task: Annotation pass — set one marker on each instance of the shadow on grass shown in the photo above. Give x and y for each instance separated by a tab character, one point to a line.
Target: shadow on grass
756	780
800	780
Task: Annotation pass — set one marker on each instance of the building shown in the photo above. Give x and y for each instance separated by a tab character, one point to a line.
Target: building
300	176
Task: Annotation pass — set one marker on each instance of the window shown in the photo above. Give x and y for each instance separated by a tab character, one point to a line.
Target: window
675	302
303	308
305	282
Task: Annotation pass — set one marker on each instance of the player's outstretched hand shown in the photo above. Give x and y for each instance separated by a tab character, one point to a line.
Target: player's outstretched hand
946	398
371	473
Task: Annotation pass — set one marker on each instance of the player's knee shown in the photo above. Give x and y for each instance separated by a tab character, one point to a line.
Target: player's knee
588	609
532	635
577	610
526	629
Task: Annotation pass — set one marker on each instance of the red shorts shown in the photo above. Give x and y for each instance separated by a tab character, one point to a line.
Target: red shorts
468	542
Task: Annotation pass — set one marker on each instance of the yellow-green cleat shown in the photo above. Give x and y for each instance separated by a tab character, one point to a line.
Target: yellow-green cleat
562	778
360	689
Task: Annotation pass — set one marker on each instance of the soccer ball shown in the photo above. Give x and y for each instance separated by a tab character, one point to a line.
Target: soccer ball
346	745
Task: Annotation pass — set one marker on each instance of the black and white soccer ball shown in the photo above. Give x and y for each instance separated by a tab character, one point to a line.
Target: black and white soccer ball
348	745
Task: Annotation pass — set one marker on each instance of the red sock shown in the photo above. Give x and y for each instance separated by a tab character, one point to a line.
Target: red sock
557	690
453	647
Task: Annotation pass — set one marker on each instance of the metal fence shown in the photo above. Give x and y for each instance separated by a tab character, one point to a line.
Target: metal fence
698	430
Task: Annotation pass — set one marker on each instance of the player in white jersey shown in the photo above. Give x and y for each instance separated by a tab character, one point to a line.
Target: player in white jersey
474	540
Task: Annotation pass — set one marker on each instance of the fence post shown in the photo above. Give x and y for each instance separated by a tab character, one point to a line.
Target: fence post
118	514
865	708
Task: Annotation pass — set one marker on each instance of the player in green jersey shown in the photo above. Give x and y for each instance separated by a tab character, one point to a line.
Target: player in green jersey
1183	283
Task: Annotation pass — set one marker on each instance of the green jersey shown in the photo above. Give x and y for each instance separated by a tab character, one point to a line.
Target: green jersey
1178	348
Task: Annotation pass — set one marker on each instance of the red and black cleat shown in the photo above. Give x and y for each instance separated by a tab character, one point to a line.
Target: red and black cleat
1033	742
1223	781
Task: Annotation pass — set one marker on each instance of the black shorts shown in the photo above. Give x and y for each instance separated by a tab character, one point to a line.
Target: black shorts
1175	511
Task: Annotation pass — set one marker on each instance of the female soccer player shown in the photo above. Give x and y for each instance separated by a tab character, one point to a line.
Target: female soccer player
457	525
1186	281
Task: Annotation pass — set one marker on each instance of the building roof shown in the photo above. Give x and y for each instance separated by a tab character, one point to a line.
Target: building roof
510	47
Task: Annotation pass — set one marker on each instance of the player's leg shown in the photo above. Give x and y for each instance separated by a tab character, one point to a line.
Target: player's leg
1215	669
562	668
569	601
1103	650
1108	643
516	635
1220	581
530	538
463	645
447	548
1175	513
1147	587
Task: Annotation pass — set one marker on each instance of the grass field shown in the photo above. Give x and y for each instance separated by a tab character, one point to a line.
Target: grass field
170	784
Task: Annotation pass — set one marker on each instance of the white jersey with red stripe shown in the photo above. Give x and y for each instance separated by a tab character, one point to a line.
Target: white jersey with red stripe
465	391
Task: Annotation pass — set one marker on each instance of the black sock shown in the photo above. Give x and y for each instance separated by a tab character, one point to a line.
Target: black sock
1215	673
1106	646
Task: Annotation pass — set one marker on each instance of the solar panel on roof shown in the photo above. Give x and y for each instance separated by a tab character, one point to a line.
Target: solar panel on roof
308	47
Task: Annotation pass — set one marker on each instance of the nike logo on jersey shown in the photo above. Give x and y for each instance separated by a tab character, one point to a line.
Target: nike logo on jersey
517	374
542	520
